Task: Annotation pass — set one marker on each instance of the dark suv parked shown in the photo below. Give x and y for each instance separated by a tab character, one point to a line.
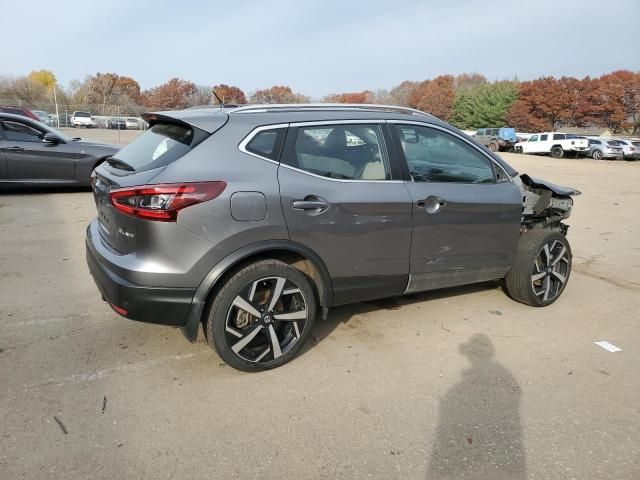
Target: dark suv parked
250	220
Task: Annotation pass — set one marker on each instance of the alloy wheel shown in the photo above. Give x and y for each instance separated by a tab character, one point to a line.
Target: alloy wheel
266	319
550	270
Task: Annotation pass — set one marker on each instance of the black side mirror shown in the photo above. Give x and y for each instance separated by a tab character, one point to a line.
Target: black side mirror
51	138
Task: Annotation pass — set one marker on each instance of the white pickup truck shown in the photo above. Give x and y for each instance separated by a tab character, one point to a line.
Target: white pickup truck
556	144
81	119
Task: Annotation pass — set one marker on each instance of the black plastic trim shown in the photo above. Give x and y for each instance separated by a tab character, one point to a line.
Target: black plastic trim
165	306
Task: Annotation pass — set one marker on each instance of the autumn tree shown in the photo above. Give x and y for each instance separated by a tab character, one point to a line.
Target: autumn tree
278	94
468	81
229	94
171	95
542	105
616	101
46	78
353	97
435	96
485	105
401	94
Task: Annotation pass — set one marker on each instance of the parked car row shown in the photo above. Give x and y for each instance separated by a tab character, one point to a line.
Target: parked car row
560	145
78	119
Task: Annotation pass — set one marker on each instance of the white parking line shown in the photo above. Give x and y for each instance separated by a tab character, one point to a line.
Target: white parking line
608	346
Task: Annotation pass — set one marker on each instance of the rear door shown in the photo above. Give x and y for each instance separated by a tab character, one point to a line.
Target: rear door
342	198
466	210
30	159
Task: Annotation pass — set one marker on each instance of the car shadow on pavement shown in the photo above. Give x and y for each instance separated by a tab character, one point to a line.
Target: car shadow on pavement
479	434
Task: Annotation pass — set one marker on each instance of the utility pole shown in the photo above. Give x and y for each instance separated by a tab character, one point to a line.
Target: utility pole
55	100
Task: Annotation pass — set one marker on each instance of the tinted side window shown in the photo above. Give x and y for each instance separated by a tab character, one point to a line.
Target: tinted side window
20	132
267	143
543	137
350	152
533	138
436	156
558	136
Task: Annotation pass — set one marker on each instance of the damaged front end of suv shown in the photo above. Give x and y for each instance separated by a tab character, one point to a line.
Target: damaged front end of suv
544	204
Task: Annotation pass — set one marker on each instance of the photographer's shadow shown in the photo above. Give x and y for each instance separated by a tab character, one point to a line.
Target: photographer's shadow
479	434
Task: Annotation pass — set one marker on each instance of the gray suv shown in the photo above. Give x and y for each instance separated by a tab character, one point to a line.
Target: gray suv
251	221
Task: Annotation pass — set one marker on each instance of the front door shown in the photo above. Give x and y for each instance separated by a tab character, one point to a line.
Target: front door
532	145
29	158
342	199
466	224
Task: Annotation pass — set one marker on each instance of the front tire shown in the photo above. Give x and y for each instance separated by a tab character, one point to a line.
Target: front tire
596	155
542	268
262	316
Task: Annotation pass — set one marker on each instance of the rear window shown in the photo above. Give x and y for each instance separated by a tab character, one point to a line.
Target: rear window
161	145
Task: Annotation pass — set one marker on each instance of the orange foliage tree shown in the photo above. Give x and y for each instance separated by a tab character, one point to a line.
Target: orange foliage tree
229	94
171	95
352	97
278	94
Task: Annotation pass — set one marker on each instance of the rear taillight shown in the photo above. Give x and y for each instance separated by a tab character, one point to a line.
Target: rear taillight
163	202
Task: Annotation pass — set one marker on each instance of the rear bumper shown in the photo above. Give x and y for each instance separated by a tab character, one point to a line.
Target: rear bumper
166	306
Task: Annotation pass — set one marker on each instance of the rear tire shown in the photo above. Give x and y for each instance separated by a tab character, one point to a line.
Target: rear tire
541	269
557	152
596	155
262	316
494	147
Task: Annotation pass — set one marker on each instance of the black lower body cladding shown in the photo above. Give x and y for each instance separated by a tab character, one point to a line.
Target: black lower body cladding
166	306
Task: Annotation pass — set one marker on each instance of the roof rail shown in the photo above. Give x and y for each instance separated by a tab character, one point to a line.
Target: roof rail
279	107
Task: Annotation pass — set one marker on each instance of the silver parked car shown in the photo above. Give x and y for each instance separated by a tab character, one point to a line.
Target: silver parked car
249	221
630	148
602	148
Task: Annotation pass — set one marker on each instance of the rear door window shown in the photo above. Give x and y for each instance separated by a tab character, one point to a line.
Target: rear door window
558	136
347	152
161	145
543	137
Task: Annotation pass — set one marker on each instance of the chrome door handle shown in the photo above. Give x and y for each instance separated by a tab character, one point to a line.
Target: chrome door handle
15	149
310	205
432	204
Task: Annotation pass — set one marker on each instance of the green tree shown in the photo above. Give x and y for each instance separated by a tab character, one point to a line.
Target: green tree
485	105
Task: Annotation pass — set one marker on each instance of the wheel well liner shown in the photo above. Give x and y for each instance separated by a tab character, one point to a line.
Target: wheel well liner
293	253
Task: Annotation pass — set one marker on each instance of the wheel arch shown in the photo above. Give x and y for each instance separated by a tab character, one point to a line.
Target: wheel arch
292	253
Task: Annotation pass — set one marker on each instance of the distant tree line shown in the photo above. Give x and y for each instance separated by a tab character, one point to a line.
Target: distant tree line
468	101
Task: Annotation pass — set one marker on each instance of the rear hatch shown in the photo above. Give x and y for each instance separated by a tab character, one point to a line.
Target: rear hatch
166	141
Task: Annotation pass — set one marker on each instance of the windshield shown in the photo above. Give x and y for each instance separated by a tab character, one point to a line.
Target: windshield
161	145
82	114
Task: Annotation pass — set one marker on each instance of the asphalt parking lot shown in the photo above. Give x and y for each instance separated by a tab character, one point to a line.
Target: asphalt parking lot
384	390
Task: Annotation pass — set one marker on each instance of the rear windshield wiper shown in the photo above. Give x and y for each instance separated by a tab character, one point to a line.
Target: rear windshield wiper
117	163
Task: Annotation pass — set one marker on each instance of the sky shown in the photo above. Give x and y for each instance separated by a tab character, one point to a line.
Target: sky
318	47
